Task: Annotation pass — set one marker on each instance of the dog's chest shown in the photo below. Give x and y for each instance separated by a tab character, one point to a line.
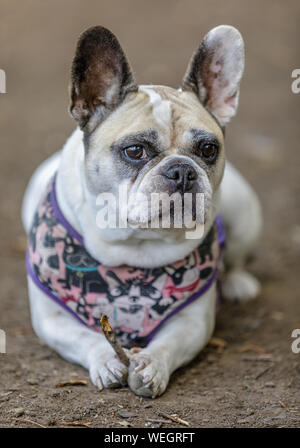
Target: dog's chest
137	301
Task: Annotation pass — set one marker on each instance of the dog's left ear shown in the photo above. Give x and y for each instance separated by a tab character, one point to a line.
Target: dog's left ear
100	77
215	71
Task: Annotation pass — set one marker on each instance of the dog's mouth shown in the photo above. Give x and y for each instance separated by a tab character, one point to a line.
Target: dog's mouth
167	220
175	214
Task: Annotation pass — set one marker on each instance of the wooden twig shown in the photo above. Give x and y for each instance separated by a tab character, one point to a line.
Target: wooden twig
283	405
112	339
77	423
175	419
156	420
26	420
261	358
217	342
263	372
252	348
71	383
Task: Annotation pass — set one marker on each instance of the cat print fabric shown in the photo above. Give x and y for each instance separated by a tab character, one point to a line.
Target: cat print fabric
137	301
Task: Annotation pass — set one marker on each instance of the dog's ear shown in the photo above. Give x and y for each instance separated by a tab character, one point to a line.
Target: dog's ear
100	77
215	71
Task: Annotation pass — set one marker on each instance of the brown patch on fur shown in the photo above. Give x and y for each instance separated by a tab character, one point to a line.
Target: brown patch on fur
184	107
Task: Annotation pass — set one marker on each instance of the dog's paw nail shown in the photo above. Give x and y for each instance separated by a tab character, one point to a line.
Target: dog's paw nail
139	363
99	384
107	372
148	376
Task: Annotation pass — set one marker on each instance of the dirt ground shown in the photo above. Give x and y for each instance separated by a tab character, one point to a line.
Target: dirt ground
254	380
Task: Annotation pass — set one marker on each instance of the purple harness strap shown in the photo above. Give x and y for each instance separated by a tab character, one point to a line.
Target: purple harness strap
59	215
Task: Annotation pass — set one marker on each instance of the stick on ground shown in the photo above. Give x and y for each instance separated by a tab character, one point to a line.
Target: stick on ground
112	339
72	383
175	419
26	420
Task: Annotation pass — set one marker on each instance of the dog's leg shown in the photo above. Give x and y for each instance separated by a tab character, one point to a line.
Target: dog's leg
241	213
176	343
75	342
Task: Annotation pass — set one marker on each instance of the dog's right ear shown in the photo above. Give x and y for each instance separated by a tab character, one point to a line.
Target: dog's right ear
100	77
215	72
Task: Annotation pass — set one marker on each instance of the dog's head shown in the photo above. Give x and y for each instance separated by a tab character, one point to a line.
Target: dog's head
155	139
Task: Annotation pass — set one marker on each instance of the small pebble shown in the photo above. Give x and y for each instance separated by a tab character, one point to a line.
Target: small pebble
32	381
51	422
242	421
126	414
18	412
147	405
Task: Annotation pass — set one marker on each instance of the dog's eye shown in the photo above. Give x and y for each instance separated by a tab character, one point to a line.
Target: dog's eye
209	152
135	152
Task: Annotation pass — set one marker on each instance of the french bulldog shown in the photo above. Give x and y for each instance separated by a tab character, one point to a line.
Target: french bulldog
149	138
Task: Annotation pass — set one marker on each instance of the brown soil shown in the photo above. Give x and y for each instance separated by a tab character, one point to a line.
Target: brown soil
231	386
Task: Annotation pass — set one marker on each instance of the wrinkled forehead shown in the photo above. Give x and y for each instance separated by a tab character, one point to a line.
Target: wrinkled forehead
175	110
174	114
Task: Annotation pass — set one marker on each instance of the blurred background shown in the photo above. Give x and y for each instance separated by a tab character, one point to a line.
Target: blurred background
227	384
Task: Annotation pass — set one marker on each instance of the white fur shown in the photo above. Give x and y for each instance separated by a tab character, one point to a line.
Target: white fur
240	285
241	211
173	346
143	248
150	369
161	109
141	208
227	48
37	186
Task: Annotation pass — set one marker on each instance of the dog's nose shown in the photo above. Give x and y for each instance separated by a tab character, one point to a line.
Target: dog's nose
183	175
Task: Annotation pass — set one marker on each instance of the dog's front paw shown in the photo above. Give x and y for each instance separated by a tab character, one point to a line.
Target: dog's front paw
106	370
148	374
240	285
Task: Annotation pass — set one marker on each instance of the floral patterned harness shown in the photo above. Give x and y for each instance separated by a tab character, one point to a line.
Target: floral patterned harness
137	301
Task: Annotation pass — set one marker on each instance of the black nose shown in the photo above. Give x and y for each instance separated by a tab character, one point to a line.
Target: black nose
183	175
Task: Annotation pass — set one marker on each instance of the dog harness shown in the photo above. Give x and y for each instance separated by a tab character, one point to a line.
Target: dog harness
137	301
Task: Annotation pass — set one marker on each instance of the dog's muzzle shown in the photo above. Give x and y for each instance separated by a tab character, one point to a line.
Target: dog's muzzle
182	176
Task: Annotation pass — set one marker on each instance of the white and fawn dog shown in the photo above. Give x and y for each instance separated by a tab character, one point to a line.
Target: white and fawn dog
151	139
